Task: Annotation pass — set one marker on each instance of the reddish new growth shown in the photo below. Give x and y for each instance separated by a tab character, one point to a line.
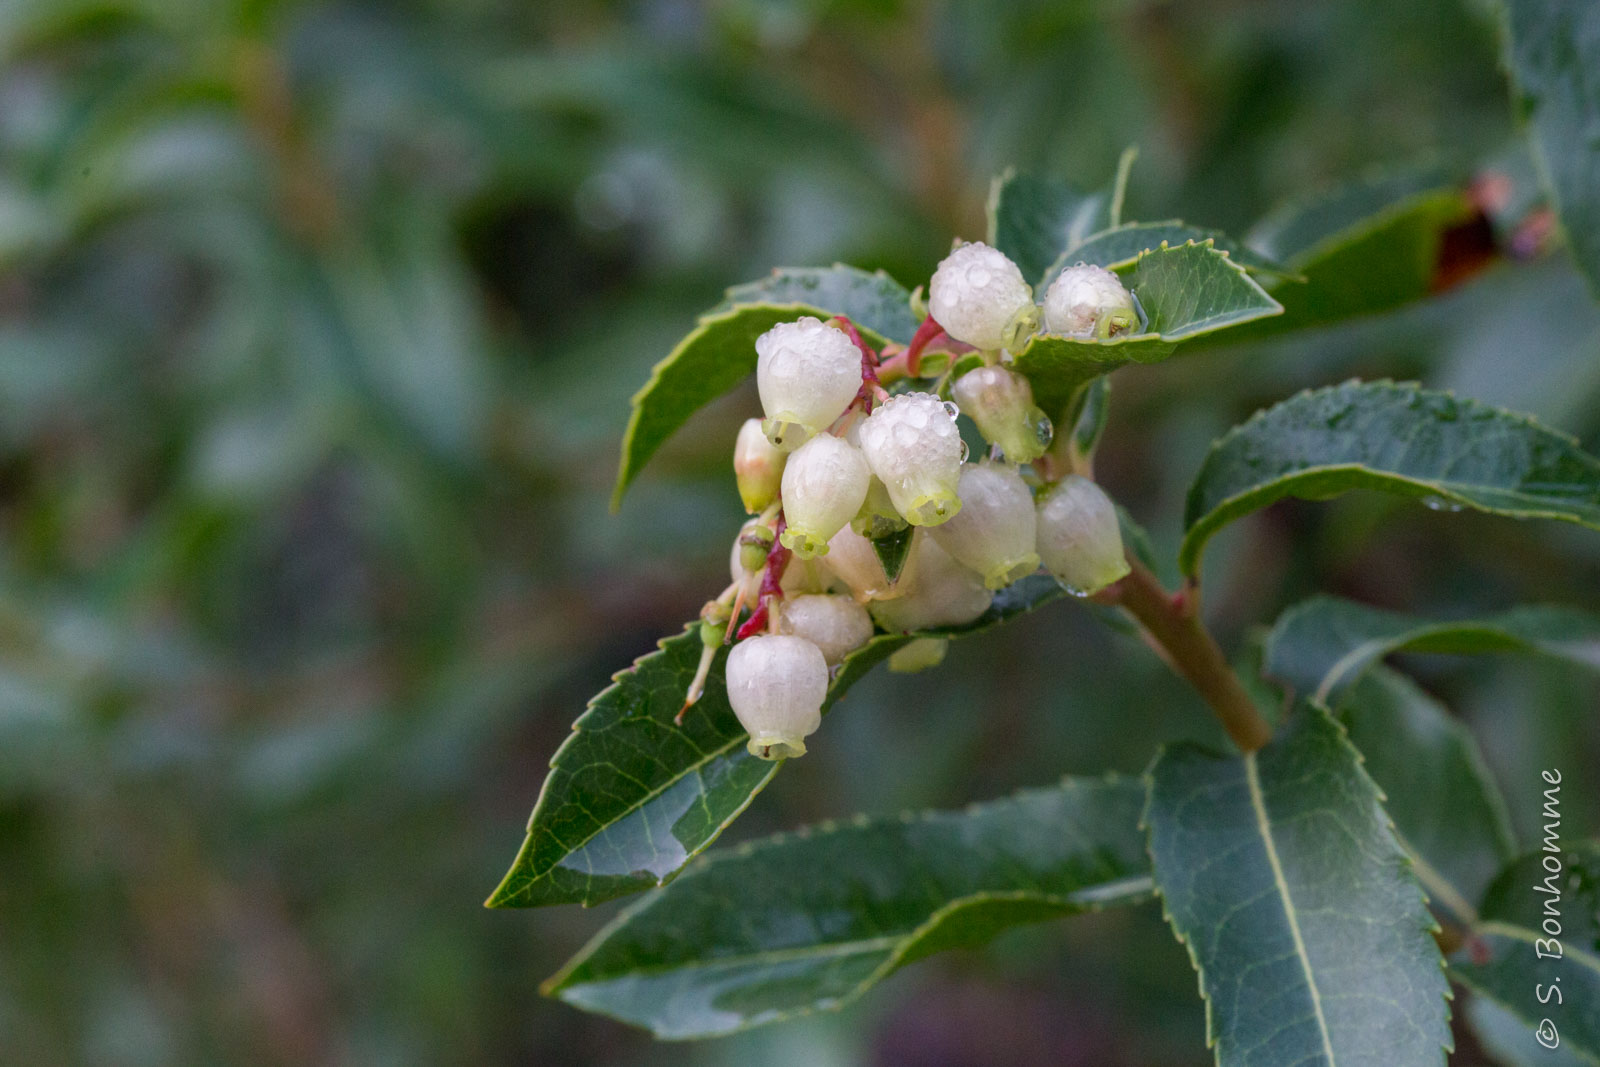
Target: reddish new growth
870	386
771	585
926	334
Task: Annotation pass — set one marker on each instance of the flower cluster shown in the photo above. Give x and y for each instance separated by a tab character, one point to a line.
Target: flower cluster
869	515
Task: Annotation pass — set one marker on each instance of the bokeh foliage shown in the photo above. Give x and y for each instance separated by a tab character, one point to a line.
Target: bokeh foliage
317	326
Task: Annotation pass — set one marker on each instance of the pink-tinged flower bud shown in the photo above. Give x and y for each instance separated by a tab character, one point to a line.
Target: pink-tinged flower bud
852	559
919	655
994	532
1079	539
913	446
824	485
976	293
757	467
936	591
776	685
1000	401
807	374
1088	301
835	624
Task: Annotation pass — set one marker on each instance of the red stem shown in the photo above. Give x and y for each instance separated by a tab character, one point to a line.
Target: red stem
771	583
869	364
926	334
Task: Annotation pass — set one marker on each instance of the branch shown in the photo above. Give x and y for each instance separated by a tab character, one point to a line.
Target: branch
1173	625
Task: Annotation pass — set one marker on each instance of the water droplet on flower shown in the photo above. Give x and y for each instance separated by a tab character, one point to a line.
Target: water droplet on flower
951	408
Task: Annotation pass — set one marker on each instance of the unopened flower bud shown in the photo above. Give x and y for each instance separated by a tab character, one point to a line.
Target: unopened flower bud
835	624
824	485
1088	301
852	559
937	591
1079	539
1000	401
975	294
807	374
919	655
994	533
800	576
755	543
776	685
877	517
757	467
913	446
747	578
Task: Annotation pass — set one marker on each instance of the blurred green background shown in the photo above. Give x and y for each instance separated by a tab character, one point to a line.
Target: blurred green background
318	322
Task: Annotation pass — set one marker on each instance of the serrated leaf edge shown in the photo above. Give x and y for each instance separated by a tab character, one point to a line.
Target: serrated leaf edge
501	899
873	652
703	322
1268	265
1377	792
1191	549
1204	326
1418	629
1091	899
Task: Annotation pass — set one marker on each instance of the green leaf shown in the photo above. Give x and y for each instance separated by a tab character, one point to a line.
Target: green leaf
1186	291
1121	247
1396	438
1501	962
1033	220
1553	50
720	351
631	797
1446	807
807	921
892	551
1510	1042
1366	247
1091	421
1324	644
1279	872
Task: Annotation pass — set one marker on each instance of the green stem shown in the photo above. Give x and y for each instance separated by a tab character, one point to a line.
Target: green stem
1173	625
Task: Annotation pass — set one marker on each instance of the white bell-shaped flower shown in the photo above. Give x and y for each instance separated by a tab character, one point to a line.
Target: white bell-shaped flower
936	591
807	373
1079	539
776	685
757	467
824	485
994	532
854	562
835	624
1000	401
1088	301
976	293
912	444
